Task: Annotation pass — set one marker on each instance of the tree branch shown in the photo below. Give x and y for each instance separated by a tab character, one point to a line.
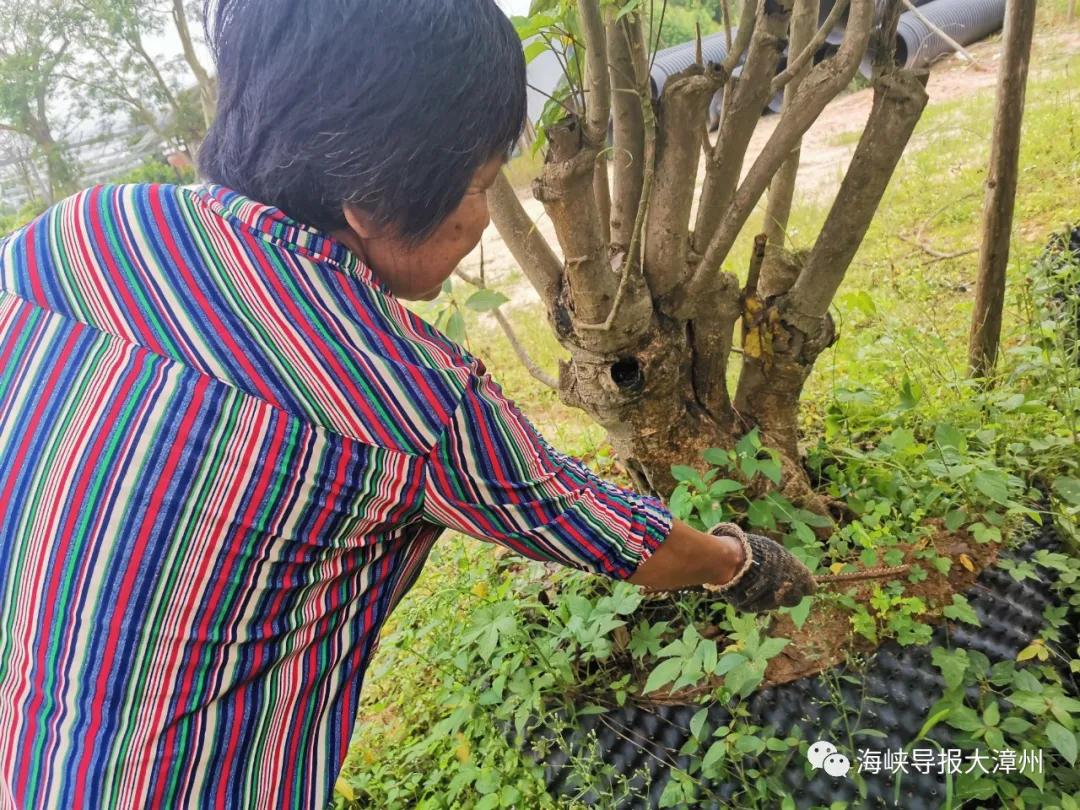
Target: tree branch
528	247
822	84
899	99
565	187
683	107
534	370
742	110
631	261
628	132
598	110
782	185
795	66
747	20
207	90
508	329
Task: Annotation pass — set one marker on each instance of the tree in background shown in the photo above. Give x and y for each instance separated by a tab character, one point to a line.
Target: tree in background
36	43
639	297
88	59
117	72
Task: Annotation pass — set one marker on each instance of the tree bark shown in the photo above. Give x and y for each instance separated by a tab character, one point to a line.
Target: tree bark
899	99
1000	194
627	131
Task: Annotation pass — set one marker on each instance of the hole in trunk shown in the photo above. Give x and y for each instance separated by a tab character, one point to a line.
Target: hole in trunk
626	373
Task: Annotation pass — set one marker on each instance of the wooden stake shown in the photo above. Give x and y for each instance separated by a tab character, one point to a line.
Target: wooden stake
1000	195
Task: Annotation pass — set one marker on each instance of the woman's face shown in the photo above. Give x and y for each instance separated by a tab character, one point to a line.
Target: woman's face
417	272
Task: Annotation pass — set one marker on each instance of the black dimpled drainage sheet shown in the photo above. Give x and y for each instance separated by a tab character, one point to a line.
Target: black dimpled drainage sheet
903	679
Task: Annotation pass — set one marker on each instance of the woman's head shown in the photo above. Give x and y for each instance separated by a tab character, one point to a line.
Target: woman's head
377	117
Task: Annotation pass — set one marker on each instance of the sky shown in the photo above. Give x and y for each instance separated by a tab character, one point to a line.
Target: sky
168	43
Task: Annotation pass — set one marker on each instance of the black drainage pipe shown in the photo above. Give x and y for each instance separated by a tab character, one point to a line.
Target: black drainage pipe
966	21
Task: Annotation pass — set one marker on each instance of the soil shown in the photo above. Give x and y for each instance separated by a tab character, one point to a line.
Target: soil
827	637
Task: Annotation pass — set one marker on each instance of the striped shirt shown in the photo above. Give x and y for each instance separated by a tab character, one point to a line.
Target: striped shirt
225	453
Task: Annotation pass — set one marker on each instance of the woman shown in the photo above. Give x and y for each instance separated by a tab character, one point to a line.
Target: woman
226	448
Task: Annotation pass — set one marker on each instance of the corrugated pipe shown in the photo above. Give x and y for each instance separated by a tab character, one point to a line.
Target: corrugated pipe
837	34
966	21
668	62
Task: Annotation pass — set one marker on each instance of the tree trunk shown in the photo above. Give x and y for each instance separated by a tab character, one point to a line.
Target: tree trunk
207	89
58	171
643	306
1000	195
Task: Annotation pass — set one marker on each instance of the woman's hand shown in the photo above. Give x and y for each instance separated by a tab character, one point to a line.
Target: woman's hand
751	572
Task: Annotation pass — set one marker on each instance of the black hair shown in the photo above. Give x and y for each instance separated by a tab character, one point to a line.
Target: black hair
389	105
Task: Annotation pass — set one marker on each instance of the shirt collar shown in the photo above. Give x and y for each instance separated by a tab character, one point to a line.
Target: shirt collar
276	227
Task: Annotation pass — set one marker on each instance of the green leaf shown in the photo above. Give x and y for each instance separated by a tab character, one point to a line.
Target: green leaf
749	744
680	472
455	327
728	662
862	301
627	9
534	49
801	611
992	484
952	663
948	435
697	722
961	610
485	300
1068	489
745	679
910	394
954	519
771	469
665	672
771	647
716	456
964	718
541	6
715	753
760	514
1063	740
724	486
680	501
488	782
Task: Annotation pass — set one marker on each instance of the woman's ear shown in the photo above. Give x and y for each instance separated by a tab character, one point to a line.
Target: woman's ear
360	223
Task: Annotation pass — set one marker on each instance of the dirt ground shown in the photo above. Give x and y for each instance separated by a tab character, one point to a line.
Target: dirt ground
826	152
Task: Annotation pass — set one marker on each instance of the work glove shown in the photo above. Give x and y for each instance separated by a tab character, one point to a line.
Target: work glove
770	577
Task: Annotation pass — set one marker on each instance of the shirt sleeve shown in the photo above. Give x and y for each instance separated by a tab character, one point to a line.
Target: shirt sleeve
492	476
